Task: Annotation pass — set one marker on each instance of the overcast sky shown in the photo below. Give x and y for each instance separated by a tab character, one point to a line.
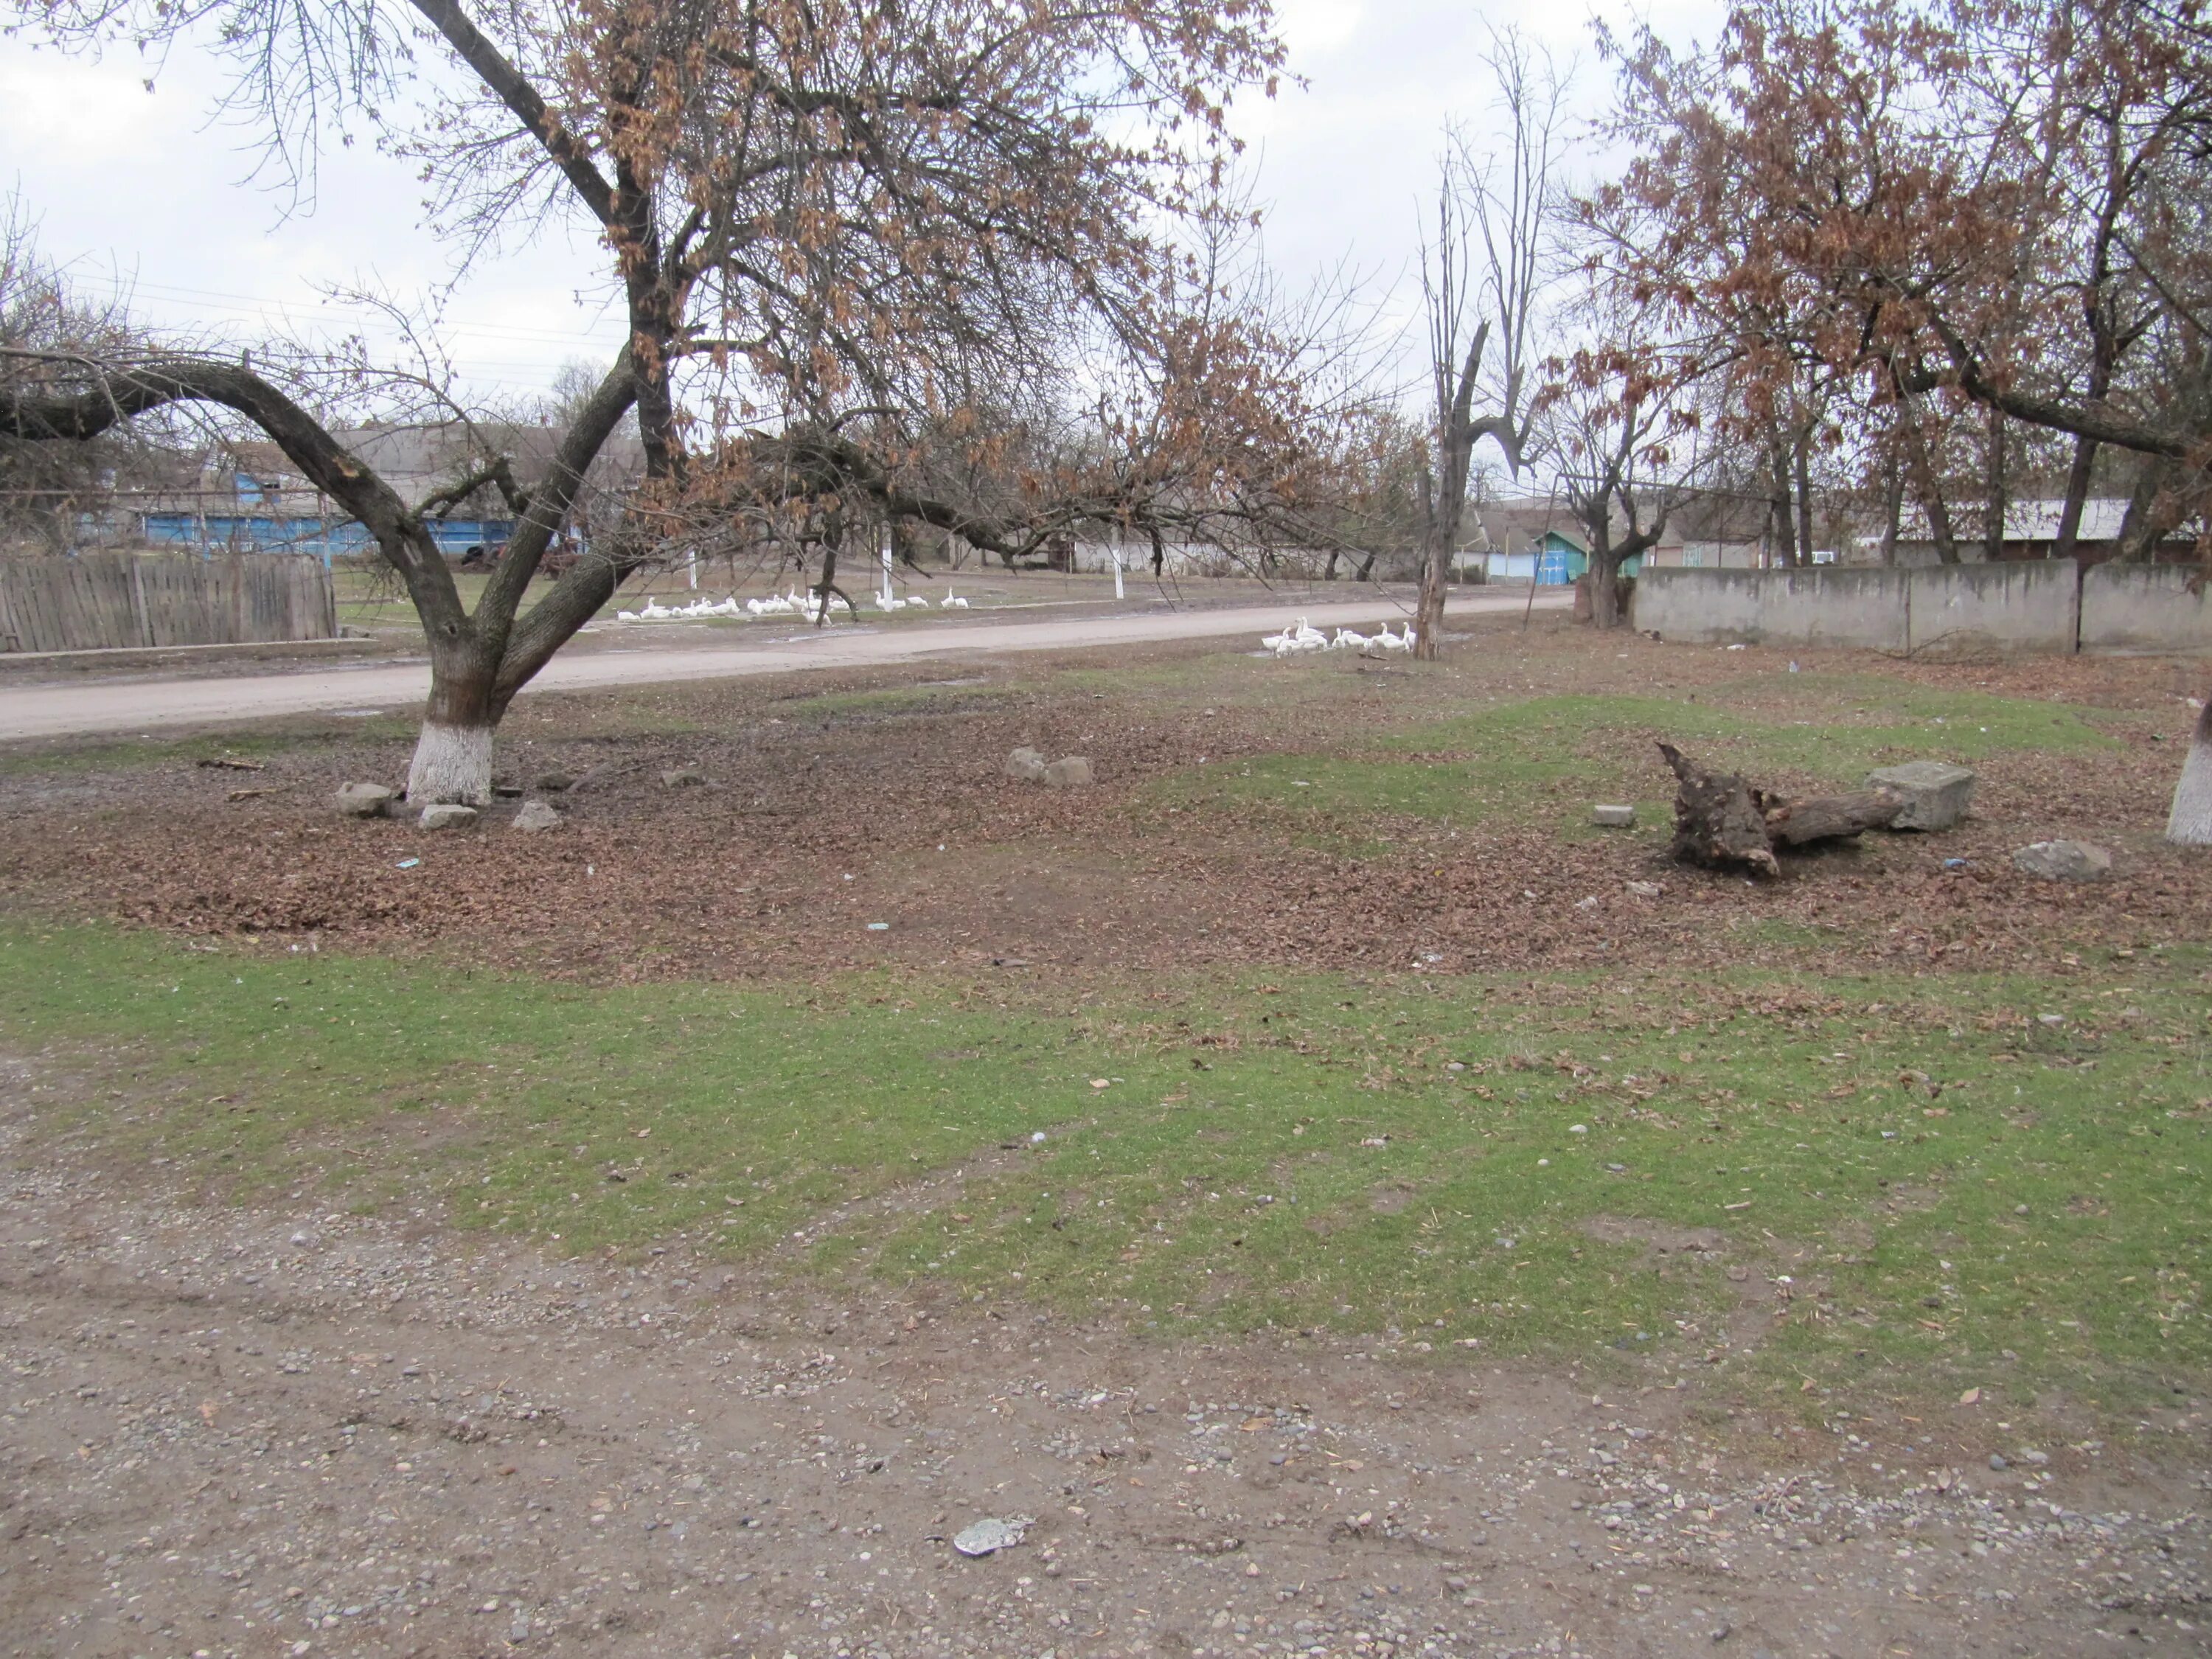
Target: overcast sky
144	188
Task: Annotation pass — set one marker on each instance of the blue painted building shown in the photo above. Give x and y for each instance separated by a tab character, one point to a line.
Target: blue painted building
323	538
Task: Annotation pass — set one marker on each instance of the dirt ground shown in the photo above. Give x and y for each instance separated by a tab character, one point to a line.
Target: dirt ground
258	1432
823	811
269	1431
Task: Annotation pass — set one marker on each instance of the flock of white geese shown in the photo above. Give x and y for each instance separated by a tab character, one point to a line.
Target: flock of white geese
808	606
1302	636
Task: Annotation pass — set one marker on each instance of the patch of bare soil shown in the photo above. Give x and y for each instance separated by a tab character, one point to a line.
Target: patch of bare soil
824	813
258	1432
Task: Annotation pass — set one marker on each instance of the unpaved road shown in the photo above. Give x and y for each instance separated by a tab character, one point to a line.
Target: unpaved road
135	705
247	1433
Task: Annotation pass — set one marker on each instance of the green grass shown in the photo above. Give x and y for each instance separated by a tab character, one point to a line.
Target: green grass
1963	1178
1543	760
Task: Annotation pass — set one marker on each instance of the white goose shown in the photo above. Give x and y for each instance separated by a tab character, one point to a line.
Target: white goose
1345	639
951	602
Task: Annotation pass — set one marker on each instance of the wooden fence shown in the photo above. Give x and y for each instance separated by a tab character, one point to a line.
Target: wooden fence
110	601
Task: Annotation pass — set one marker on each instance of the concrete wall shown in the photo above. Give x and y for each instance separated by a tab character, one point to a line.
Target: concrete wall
1995	607
2040	605
2146	608
1830	606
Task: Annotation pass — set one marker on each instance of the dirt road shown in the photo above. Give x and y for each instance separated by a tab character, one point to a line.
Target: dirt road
247	1434
45	711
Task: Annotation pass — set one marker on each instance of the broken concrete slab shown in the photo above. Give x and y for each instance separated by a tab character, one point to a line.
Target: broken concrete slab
448	816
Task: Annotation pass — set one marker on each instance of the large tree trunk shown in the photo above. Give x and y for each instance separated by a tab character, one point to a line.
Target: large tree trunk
1803	470
2077	497
1429	612
2190	823
1892	507
1605	587
1930	489
1440	505
1781	516
2154	510
1994	498
452	754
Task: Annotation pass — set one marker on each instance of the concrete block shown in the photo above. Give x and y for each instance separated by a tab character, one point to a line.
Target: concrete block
1614	818
448	817
1072	772
1936	793
2063	860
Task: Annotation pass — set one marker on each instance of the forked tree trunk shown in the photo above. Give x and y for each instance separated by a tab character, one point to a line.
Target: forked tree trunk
2190	823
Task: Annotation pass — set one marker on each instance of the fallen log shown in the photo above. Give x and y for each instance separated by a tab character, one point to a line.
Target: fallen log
1832	817
1721	820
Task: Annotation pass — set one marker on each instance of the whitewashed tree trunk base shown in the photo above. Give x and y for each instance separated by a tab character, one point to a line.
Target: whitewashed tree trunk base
452	765
2191	823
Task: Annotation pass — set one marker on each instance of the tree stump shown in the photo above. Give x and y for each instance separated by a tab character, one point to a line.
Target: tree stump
1721	820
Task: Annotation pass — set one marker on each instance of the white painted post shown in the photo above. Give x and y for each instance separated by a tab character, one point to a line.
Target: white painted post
887	567
691	566
1119	533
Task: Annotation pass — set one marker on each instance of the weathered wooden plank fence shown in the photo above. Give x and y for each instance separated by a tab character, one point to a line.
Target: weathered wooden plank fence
120	601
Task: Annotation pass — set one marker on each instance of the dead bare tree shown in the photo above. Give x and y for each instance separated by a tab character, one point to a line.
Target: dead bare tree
1483	281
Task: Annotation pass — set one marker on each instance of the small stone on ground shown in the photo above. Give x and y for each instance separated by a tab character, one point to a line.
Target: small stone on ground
1073	772
1614	818
2064	861
537	814
448	816
365	800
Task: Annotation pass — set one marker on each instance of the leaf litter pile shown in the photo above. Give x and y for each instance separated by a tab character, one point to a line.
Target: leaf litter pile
858	818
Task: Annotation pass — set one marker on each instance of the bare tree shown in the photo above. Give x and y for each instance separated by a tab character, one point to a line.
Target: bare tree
1626	448
1483	281
824	221
45	489
1999	206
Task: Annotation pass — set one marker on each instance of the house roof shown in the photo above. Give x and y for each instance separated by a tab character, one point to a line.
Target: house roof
2035	519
